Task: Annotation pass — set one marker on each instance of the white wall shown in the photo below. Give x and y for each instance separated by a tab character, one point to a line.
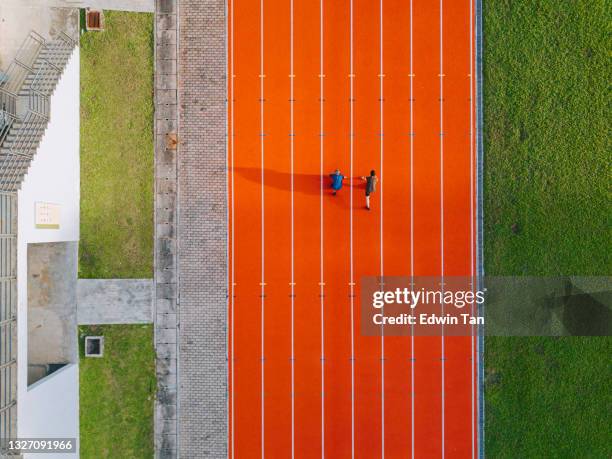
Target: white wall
50	408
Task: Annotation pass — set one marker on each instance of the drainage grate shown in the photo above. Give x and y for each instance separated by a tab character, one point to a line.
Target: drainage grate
95	20
94	346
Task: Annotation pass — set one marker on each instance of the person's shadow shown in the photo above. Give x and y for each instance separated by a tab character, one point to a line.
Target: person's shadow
309	184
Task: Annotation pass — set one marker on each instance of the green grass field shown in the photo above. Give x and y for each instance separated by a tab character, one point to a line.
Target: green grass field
546	193
117	148
117	393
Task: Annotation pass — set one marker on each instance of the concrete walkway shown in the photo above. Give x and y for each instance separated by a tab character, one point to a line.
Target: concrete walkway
166	276
114	301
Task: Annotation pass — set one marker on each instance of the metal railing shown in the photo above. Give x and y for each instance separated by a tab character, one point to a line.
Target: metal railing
6	122
16	157
22	64
53	57
20	134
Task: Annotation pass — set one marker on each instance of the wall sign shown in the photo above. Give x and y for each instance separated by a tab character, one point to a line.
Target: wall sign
47	215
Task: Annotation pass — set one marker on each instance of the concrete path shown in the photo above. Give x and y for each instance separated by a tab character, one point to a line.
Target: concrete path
190	206
114	301
165	275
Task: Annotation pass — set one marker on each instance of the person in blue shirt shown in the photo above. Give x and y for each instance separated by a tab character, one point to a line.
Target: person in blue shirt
337	179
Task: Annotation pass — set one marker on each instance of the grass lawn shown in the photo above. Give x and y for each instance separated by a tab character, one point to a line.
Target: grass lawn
117	393
547	213
117	148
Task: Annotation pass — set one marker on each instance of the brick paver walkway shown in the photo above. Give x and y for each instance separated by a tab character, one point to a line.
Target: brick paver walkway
202	230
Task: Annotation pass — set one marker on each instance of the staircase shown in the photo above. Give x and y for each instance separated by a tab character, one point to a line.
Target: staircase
24	103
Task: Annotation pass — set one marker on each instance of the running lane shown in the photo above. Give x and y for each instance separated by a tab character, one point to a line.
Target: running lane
335	43
355	85
394	108
427	223
246	248
459	386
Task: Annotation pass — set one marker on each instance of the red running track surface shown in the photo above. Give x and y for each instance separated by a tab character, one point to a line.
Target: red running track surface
355	85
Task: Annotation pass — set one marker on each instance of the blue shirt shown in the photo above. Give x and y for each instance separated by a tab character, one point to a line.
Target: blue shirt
336	181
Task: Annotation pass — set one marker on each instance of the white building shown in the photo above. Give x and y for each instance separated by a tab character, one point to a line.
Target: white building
39	187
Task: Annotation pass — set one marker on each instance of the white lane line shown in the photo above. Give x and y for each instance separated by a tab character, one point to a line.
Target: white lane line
441	76
382	152
477	75
233	277
263	282
472	261
292	146
477	69
352	281
321	245
412	395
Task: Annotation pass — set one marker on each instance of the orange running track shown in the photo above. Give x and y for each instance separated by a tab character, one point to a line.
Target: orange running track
355	85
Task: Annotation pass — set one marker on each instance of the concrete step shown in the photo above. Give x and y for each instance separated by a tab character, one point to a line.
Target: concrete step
55	54
19	167
23	147
7	155
45	91
13	176
10	187
44	82
12	168
16	137
9	172
20	151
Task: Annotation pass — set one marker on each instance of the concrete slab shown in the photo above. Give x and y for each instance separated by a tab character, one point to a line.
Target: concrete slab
166	160
52	272
114	301
139	6
19	17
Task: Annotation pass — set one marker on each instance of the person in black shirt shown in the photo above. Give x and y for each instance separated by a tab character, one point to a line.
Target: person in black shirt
371	182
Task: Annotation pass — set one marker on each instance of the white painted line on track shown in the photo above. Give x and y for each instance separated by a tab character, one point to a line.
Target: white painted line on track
472	228
261	114
412	394
479	269
321	245
233	278
292	146
382	152
441	76
352	280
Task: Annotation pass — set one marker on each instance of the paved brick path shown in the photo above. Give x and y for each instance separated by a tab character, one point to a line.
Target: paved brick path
191	229
202	230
